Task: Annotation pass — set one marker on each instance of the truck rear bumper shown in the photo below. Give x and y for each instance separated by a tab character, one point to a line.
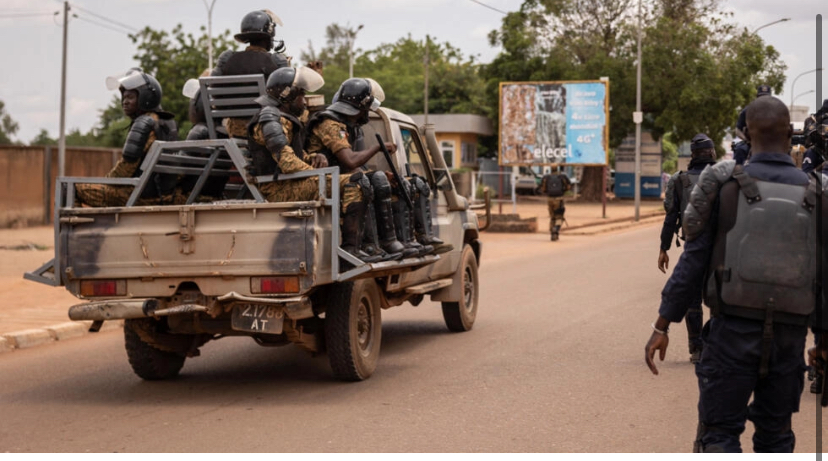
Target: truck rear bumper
298	307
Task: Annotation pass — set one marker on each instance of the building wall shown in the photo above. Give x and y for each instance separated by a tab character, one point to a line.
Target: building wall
458	139
28	179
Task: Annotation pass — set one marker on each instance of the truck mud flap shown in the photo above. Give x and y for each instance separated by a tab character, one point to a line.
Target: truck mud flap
384	268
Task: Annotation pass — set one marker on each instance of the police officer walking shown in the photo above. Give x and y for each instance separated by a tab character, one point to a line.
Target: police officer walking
554	186
141	102
675	201
750	239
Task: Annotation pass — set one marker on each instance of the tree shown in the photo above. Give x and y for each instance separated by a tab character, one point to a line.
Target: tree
43	139
699	68
173	58
8	127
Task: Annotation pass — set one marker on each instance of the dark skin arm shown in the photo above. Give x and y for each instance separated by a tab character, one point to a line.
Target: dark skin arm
658	342
352	160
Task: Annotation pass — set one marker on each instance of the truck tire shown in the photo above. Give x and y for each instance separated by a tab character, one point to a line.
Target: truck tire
148	362
353	329
460	316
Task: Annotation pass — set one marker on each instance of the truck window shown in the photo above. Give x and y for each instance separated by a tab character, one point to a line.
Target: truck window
413	150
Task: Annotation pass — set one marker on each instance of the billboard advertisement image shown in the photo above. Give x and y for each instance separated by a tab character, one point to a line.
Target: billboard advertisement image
553	123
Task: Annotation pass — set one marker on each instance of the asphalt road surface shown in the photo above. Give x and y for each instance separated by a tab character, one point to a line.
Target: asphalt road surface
555	363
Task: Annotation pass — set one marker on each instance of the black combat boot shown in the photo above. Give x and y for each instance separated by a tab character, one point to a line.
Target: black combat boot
555	230
387	232
422	226
353	228
402	225
370	241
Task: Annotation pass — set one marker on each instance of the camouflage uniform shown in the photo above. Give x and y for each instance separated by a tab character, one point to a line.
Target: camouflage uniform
103	195
555	204
329	135
305	189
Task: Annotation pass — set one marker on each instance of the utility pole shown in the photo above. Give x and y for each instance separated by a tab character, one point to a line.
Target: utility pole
62	141
210	32
351	37
638	118
425	90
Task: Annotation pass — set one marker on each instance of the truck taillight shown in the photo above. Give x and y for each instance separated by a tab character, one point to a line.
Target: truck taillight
103	287
274	284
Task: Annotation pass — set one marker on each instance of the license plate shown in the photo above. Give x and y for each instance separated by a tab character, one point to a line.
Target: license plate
257	318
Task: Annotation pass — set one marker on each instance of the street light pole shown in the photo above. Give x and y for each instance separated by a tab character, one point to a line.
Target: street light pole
793	85
210	32
638	118
770	24
62	140
351	37
800	94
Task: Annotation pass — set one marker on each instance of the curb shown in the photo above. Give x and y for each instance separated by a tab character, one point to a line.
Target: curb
25	339
618	226
614	221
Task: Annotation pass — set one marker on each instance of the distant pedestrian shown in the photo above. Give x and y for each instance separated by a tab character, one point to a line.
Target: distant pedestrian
554	186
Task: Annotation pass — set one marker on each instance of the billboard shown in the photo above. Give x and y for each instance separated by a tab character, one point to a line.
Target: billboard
553	123
650	167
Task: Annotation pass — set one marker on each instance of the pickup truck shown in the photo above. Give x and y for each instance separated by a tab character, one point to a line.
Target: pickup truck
182	275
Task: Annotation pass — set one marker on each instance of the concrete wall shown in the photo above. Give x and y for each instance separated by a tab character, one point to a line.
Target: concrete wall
458	139
27	189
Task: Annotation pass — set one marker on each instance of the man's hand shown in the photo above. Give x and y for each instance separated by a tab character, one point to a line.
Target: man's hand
817	352
319	161
392	148
657	342
663	261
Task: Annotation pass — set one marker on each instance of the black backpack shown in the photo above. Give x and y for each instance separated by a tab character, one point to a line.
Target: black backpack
554	185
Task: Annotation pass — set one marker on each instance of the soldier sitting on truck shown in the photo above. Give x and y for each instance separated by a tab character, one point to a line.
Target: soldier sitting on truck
258	29
276	138
141	102
336	132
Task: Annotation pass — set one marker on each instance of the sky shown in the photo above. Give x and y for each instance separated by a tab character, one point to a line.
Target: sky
31	57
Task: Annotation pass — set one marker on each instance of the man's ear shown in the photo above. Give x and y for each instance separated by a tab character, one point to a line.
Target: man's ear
790	131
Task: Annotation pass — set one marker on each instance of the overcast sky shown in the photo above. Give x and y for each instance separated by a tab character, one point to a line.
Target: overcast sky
31	55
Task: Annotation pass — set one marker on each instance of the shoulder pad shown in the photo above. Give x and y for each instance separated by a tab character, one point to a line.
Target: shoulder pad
220	62
280	60
704	193
271	121
269	114
668	193
137	137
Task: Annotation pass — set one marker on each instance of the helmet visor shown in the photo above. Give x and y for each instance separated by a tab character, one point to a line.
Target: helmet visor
190	88
308	79
274	18
376	90
132	80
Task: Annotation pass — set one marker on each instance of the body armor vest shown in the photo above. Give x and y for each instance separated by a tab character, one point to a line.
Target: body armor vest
249	62
262	159
355	137
763	262
165	129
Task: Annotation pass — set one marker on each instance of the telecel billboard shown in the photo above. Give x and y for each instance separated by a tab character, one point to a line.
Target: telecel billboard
553	123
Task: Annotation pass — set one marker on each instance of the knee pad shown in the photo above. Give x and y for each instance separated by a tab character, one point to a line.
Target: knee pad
382	188
360	180
421	185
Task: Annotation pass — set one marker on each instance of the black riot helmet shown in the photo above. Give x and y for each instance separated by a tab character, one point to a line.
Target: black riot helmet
357	95
258	25
286	83
148	88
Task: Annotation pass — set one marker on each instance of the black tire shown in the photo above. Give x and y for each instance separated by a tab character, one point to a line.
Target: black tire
148	362
461	316
353	329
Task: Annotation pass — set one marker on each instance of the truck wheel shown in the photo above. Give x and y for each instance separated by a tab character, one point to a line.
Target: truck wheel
353	329
459	316
148	362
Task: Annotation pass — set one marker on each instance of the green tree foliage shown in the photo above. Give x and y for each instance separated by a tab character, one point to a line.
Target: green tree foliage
173	58
454	82
698	68
43	139
8	127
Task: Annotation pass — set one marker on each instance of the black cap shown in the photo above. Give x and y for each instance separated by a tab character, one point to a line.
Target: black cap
763	90
701	141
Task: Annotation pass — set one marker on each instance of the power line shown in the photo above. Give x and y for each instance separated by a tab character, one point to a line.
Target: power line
489	7
23	15
117	23
106	26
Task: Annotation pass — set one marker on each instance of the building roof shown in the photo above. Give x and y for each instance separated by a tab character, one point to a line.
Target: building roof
457	123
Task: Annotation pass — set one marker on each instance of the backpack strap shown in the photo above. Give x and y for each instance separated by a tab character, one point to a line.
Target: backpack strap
747	185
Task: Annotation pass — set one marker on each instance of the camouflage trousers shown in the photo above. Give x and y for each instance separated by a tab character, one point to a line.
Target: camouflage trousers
105	195
556	212
307	189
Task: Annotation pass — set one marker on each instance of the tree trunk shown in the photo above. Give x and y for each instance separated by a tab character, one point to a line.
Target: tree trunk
591	182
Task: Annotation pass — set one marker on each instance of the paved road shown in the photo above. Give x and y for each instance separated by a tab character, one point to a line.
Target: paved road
554	363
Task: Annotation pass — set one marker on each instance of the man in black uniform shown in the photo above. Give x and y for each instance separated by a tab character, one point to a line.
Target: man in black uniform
675	201
258	29
336	132
816	133
750	238
141	101
741	150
